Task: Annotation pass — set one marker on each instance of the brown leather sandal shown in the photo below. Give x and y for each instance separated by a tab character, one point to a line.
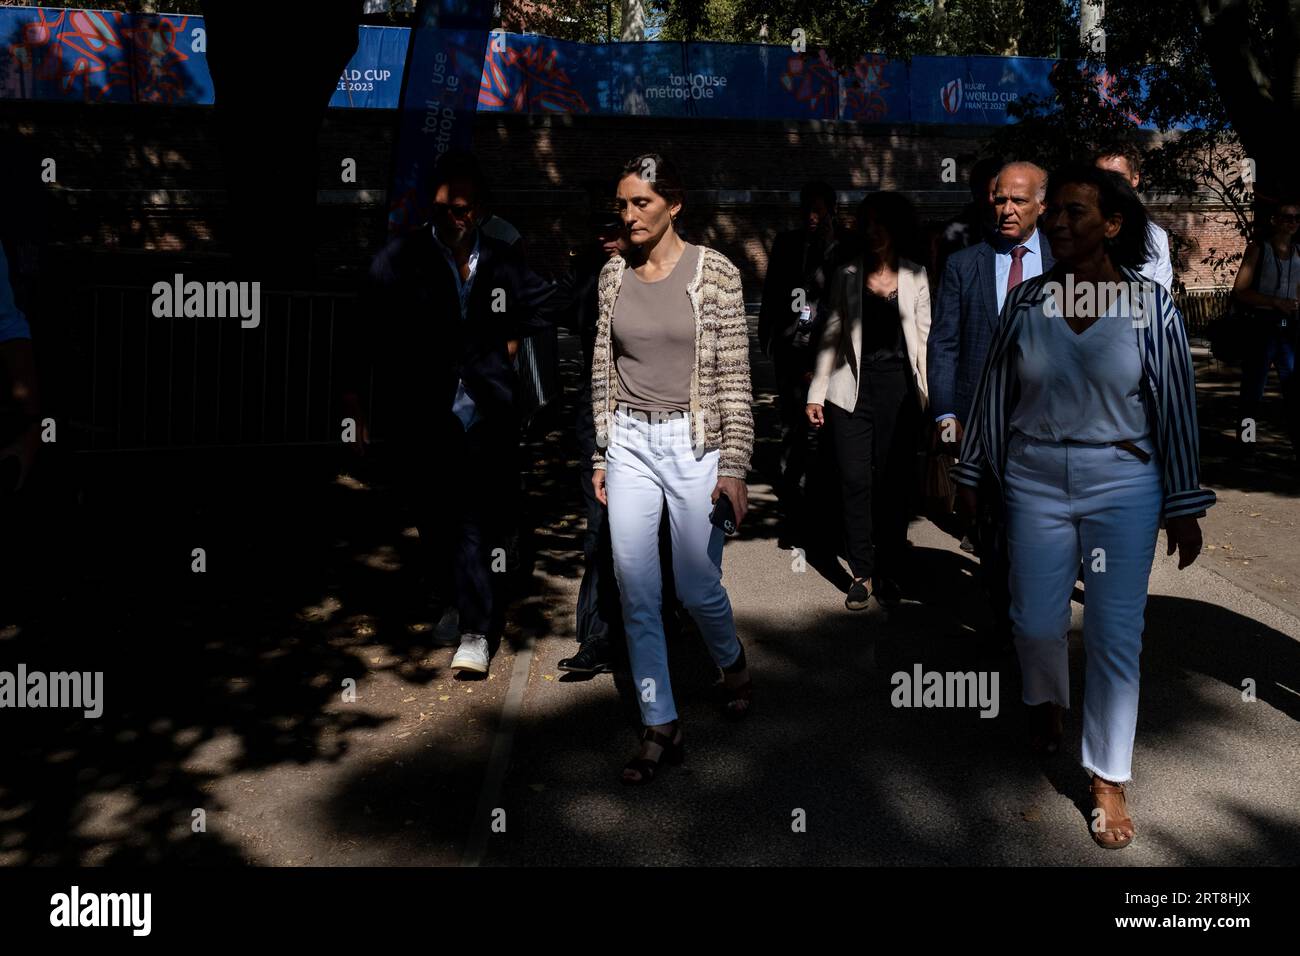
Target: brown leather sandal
736	701
673	752
1108	824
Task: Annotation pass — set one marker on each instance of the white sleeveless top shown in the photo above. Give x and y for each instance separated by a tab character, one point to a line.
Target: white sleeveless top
1278	277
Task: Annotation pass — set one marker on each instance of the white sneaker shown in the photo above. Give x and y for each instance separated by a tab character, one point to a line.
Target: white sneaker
472	655
447	631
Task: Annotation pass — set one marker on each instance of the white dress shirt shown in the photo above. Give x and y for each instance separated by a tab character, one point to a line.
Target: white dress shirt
462	406
1031	264
1158	267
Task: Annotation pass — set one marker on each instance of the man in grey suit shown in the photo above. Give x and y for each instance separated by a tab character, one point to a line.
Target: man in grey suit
965	321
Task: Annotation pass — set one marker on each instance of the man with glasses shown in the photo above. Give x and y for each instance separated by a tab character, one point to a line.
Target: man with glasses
1267	290
447	307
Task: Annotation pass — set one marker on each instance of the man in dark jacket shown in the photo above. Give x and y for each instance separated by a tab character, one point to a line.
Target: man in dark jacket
599	611
445	311
798	268
964	323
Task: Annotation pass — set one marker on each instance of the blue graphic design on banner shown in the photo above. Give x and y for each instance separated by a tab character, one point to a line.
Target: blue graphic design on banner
535	74
975	89
101	56
876	91
373	78
440	89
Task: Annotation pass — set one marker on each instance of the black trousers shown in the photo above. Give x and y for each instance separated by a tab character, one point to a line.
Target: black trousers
600	608
873	449
796	434
462	486
990	539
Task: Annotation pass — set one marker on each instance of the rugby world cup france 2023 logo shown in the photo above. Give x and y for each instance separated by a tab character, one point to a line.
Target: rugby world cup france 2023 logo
950	95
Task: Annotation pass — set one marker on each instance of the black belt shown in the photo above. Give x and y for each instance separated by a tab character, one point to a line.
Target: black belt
1127	445
1133	450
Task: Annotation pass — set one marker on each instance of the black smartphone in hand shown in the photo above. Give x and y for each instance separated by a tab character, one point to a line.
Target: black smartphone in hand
724	515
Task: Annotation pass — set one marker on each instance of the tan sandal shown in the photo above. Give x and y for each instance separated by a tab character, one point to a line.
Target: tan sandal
1108	824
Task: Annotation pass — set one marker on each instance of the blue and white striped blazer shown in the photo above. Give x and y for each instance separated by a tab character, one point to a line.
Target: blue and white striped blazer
1169	388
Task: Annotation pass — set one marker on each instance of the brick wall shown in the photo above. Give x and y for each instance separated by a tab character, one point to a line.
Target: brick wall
147	179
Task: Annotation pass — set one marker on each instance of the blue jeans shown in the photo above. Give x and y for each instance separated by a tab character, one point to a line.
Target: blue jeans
1101	504
1275	348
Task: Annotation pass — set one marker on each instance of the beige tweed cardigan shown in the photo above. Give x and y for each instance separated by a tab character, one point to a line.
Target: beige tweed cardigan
721	398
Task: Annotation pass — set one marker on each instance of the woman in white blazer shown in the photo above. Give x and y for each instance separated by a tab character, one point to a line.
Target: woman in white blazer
869	385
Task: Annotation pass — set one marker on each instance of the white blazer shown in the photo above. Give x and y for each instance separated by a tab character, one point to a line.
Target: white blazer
835	375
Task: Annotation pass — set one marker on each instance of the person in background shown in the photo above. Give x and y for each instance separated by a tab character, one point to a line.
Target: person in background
19	418
1126	160
974	224
974	288
674	426
1085	419
869	384
599	611
798	267
1268	285
447	307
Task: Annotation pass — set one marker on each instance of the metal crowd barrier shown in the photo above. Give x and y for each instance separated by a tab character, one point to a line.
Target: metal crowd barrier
129	381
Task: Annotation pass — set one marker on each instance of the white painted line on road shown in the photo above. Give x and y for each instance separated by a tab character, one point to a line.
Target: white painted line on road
499	760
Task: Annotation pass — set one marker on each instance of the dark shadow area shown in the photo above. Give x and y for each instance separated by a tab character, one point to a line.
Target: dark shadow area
1226	462
312	579
880	785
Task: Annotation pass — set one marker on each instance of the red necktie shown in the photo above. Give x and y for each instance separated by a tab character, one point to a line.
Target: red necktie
1017	273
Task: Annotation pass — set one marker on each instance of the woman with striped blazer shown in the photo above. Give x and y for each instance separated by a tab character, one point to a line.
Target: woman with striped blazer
1086	417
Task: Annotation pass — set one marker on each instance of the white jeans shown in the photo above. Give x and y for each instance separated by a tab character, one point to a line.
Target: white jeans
646	464
1098	503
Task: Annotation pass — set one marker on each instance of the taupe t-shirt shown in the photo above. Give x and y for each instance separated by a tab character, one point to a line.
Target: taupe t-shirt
654	339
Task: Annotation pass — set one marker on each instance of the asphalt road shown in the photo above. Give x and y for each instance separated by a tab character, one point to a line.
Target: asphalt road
228	692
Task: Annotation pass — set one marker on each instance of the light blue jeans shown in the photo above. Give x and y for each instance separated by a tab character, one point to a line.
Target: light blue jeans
647	464
1099	504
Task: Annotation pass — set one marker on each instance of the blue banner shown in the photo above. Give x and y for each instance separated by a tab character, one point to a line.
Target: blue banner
373	79
440	91
99	56
975	89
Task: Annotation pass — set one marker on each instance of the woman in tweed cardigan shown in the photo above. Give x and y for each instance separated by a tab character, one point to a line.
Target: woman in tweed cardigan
660	440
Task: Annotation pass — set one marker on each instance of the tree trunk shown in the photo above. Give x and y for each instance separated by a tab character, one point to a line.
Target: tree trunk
1091	31
268	137
633	21
1016	24
1258	104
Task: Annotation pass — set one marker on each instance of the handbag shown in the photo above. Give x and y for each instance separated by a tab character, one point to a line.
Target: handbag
937	487
1232	335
